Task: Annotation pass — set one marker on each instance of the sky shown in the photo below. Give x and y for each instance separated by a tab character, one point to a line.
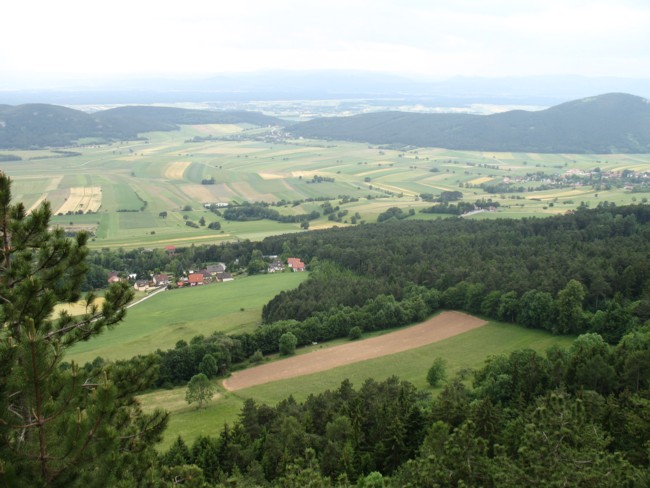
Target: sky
44	42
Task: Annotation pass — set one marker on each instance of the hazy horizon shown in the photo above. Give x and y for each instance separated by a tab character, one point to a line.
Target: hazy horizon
71	43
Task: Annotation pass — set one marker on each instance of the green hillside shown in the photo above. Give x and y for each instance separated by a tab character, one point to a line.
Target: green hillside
32	126
605	124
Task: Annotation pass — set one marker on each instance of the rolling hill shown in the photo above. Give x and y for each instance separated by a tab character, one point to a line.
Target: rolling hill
610	123
43	125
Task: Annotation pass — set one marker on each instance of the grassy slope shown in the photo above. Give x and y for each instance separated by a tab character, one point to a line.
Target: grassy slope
468	350
164	319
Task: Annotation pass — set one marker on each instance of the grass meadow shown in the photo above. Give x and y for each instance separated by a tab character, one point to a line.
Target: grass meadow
164	319
141	179
468	350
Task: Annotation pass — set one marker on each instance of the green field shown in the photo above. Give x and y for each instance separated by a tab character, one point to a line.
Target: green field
468	350
165	172
162	320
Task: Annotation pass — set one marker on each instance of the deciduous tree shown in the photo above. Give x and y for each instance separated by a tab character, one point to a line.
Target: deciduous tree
200	389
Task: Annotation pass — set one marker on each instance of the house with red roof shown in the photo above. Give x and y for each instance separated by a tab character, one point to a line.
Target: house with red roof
195	279
296	264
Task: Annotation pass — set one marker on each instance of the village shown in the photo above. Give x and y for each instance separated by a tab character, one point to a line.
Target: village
213	273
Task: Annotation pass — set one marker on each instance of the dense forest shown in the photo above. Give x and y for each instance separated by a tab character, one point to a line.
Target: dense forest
611	123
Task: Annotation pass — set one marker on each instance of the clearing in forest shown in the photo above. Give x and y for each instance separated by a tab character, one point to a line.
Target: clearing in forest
442	326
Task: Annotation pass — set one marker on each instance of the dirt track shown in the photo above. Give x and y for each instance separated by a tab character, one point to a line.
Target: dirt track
442	326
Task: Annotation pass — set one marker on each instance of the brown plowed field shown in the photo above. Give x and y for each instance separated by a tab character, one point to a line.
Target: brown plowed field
442	326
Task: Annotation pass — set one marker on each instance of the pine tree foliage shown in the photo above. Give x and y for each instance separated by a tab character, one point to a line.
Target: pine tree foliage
61	426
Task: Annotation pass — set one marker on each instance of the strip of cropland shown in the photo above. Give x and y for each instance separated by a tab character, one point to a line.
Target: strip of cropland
442	326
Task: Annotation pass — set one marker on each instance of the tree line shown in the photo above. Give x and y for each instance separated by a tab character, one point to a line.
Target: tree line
495	267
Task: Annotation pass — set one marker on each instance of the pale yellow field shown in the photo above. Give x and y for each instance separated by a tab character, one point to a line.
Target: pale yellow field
159	242
632	167
175	171
289	152
271	176
53	184
498	155
36	203
85	198
435	177
209	193
229	150
218	128
377	170
246	191
77	308
304	174
561	194
478	181
395	189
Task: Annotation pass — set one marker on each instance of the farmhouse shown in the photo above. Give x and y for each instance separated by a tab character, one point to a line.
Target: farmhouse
215	268
161	279
113	277
195	279
224	277
296	264
275	266
141	285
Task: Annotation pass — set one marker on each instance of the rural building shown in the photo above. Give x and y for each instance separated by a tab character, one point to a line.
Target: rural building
113	277
141	285
213	269
224	277
170	249
275	266
296	264
161	279
195	279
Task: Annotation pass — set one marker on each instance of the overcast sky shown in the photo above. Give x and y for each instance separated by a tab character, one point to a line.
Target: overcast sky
44	40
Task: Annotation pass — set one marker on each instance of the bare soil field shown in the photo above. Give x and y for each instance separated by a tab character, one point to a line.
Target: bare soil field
442	326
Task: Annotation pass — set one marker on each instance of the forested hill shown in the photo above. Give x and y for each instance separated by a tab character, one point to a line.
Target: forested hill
41	125
611	123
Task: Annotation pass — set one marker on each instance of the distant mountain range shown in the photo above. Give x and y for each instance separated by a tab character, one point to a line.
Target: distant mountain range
283	85
43	125
611	123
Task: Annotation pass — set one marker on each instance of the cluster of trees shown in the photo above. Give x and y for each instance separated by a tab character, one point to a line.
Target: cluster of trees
256	211
394	213
445	196
569	417
460	208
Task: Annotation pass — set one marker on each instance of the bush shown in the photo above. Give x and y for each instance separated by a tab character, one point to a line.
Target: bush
256	357
437	372
288	342
355	333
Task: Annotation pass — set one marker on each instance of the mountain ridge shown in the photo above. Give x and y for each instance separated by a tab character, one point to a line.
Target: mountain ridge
601	124
40	125
609	123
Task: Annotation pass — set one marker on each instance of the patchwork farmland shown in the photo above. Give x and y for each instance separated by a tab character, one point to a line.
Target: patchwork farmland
143	193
